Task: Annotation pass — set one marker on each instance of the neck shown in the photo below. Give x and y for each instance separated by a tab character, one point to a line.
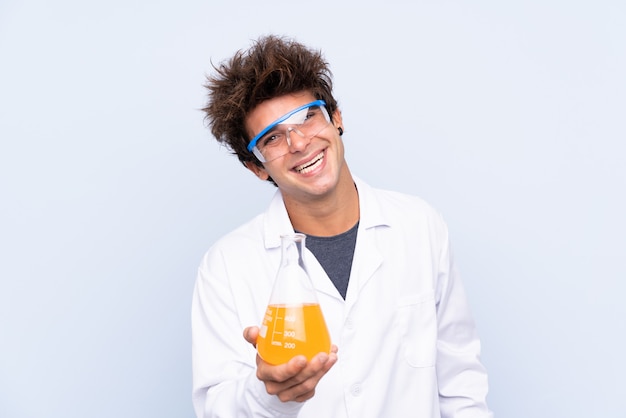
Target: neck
329	215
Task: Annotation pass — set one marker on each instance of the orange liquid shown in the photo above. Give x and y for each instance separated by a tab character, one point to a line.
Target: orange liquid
290	330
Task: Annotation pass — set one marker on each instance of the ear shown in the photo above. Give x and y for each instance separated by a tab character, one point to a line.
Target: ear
258	171
337	120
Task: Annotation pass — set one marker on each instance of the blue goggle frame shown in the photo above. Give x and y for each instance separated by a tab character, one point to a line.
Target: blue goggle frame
283	118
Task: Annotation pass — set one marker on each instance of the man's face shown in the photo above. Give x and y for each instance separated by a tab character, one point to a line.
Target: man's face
312	166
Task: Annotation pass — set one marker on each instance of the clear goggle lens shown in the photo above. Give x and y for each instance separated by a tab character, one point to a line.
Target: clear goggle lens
274	141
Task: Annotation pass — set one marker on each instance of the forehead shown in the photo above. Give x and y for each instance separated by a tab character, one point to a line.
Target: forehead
268	111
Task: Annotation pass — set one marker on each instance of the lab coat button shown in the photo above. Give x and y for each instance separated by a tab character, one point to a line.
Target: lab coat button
349	324
355	390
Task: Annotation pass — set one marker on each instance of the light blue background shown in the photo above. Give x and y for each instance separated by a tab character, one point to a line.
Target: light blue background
508	116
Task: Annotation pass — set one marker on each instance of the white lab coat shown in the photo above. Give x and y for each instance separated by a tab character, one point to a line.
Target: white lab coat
407	342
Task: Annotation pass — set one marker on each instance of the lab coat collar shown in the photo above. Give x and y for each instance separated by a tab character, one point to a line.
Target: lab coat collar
372	214
277	220
367	257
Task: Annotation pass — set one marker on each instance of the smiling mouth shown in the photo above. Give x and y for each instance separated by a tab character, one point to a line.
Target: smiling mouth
311	165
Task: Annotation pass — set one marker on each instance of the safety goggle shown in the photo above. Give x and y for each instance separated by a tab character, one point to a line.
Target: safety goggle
274	141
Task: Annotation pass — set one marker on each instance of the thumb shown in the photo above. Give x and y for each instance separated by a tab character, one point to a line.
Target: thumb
251	334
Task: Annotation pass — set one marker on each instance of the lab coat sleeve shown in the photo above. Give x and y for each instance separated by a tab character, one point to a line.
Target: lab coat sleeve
223	362
461	376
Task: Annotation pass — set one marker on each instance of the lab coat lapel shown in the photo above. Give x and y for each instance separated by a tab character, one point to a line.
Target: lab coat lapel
319	277
367	260
276	224
367	256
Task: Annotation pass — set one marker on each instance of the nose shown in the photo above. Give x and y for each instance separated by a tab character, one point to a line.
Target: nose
297	142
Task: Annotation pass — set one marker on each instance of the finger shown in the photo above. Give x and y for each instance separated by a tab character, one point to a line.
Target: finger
281	373
325	362
320	363
305	397
302	391
251	334
302	386
301	379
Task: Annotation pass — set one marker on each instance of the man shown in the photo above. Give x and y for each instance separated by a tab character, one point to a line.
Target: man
391	296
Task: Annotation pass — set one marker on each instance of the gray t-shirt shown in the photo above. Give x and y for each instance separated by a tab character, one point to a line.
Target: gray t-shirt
335	254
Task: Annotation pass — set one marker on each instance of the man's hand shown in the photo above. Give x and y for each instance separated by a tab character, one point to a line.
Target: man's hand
295	380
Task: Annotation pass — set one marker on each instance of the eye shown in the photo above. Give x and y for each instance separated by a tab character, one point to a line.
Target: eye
270	139
313	112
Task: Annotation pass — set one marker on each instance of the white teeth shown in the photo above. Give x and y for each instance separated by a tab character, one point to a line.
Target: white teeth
310	166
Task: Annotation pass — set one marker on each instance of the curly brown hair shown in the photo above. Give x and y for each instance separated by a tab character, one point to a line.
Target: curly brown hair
273	66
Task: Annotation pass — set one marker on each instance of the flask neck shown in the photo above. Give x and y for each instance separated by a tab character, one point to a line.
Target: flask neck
292	248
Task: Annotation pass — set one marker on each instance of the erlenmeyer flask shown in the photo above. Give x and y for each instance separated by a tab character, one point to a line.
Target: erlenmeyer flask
293	323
